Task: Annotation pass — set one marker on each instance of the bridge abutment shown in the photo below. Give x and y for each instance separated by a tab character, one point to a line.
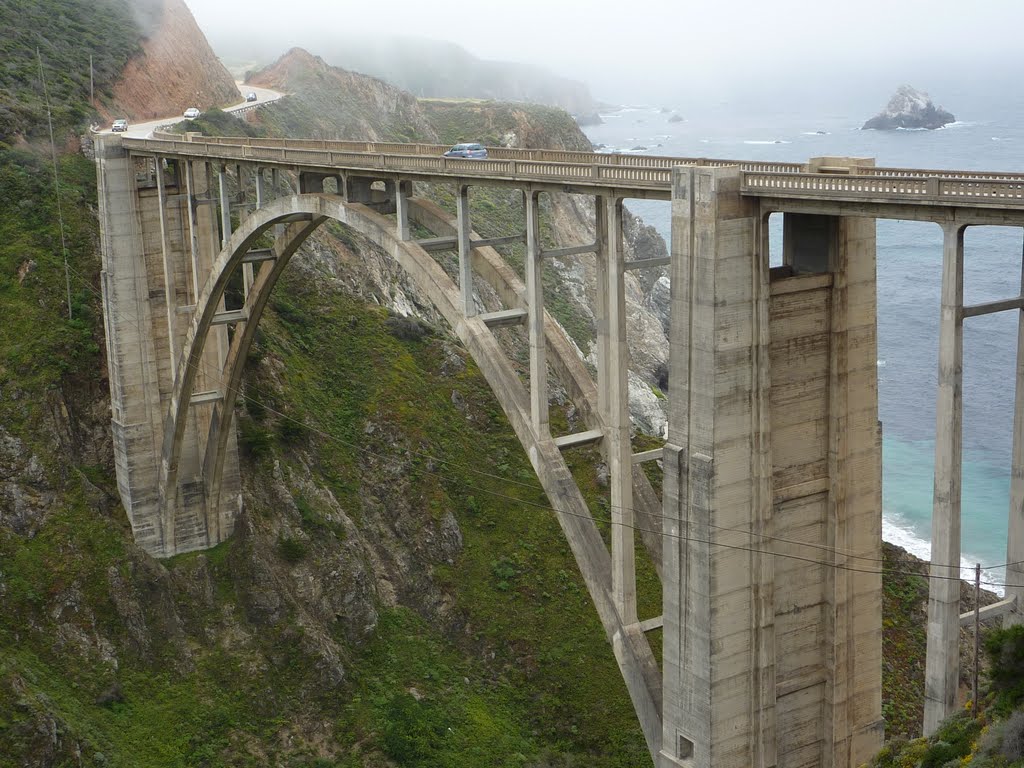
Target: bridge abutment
158	235
772	488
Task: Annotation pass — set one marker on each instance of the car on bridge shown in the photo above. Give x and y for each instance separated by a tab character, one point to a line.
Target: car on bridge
192	113
472	151
119	125
251	96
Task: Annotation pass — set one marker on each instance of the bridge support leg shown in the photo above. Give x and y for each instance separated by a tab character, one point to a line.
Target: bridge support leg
1015	532
535	318
942	670
225	205
601	304
403	191
612	334
465	256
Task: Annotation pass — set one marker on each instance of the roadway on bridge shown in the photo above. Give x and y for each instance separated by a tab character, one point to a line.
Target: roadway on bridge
145	130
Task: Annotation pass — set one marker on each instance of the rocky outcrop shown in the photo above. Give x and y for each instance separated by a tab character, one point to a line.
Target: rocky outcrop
330	102
176	69
909	108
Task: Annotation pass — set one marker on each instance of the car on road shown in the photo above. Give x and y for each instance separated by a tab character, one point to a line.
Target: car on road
473	151
251	96
192	113
119	125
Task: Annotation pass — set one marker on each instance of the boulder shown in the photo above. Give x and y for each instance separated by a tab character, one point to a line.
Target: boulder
909	108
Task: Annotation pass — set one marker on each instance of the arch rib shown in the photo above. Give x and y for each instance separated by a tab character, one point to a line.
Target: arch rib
632	650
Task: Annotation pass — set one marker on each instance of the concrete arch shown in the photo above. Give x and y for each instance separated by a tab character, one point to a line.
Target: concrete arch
304	213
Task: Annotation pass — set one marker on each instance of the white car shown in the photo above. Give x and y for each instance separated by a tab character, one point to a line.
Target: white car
192	113
119	125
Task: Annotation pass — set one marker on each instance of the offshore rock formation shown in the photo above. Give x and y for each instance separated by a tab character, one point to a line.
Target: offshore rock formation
909	108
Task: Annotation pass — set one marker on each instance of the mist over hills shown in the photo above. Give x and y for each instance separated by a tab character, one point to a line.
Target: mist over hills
433	69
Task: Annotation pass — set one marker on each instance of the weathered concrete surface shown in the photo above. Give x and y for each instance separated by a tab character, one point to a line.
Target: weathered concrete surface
153	250
773	455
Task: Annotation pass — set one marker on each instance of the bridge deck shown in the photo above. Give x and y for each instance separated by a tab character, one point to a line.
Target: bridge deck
642	176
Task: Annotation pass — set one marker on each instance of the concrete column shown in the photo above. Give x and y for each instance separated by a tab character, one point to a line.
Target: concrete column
259	188
403	191
193	233
1015	527
170	300
601	304
225	206
465	256
718	657
620	451
942	668
535	319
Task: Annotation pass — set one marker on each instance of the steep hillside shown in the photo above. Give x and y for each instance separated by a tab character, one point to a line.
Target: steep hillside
175	69
327	102
53	40
429	68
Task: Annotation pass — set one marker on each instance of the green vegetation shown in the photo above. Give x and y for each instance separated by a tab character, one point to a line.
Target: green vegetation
490	122
65	33
42	351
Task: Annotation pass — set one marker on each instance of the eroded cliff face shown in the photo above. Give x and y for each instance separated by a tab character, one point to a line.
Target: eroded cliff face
176	69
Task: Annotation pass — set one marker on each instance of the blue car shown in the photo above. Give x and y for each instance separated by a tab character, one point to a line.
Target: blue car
473	151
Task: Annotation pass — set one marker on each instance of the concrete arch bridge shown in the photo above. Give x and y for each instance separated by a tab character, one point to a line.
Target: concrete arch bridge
768	533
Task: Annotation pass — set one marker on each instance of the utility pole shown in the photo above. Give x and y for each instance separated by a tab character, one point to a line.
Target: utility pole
977	636
92	97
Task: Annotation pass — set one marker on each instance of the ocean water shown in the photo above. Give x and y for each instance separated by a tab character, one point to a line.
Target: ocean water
991	137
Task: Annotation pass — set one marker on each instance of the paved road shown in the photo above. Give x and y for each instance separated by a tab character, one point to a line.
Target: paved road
145	130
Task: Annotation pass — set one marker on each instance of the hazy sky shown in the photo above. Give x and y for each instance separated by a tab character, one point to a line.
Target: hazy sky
656	46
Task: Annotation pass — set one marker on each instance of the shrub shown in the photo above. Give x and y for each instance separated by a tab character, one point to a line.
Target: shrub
406	328
291	550
1013	737
1005	651
413	730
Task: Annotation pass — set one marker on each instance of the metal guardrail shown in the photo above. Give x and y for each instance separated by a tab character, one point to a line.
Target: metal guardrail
648	174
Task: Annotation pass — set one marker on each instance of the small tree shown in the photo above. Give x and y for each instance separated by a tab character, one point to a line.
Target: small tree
1005	651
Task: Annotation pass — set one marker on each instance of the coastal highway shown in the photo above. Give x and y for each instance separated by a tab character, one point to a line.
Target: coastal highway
145	130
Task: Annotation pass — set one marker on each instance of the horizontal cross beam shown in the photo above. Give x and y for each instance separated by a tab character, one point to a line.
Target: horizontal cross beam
504	317
992	306
579	438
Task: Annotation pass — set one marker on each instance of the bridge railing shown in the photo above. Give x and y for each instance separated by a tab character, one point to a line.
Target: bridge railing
507	153
590	169
906	187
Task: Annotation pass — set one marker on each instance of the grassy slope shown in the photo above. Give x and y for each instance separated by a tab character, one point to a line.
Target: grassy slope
65	33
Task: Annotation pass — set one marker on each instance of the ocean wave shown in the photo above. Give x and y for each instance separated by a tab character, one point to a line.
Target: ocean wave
765	141
900	535
814	133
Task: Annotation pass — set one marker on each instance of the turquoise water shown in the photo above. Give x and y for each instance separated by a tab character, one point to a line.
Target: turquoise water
990	136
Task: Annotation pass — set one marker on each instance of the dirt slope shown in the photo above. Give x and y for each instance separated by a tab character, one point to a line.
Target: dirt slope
177	69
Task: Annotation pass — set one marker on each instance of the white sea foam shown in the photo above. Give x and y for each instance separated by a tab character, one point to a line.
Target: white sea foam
766	141
895	531
880	363
814	133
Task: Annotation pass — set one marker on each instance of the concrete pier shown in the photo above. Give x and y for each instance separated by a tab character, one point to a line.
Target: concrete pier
772	649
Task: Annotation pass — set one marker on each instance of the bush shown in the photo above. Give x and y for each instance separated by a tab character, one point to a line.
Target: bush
1005	651
413	730
406	328
1013	737
291	550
